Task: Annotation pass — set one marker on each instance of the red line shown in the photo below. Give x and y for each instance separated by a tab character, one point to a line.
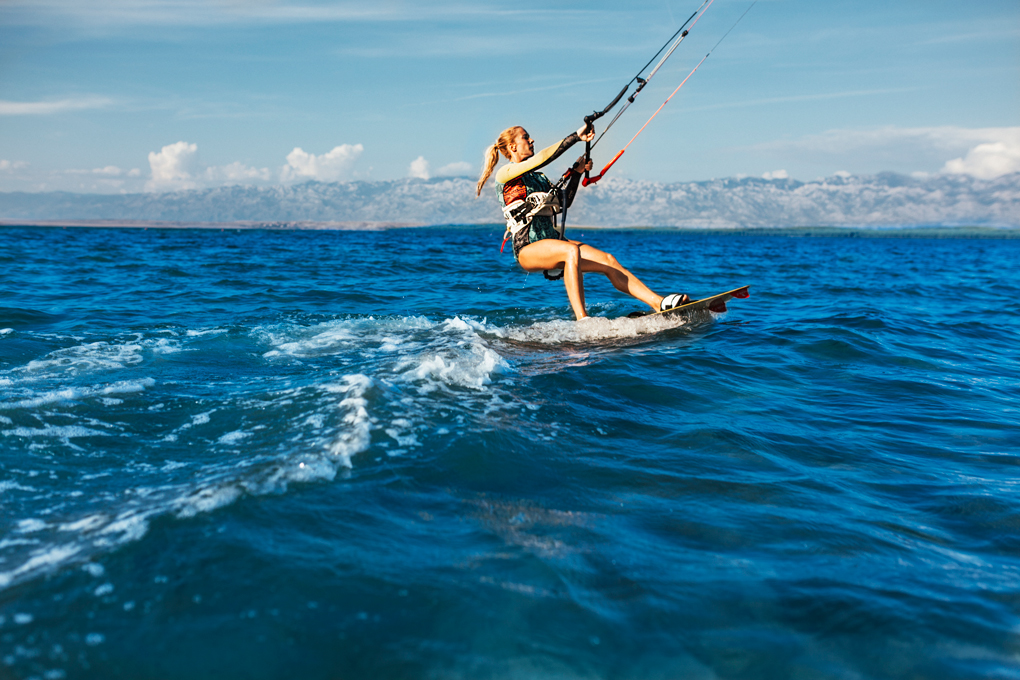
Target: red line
664	103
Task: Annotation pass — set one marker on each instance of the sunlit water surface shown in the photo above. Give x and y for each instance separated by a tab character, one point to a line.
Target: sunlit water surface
393	455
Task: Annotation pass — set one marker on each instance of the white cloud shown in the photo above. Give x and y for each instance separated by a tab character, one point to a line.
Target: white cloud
422	169
236	172
134	172
419	168
8	108
776	174
8	166
176	167
839	141
989	160
454	169
172	167
108	171
329	167
981	152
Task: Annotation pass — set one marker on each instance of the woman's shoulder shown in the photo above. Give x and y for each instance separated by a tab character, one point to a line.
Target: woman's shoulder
530	179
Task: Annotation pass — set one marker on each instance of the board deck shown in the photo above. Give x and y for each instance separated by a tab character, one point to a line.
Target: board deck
714	303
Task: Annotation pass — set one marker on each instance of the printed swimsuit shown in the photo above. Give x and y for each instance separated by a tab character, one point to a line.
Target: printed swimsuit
542	226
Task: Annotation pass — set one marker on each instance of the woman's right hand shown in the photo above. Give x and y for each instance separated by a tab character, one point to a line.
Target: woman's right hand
586	133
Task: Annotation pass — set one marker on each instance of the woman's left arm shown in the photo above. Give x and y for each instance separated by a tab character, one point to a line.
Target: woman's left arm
576	171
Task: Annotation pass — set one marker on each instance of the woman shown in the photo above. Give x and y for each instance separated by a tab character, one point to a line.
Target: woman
530	205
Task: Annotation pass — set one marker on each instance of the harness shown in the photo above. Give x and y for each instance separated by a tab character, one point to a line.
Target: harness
522	212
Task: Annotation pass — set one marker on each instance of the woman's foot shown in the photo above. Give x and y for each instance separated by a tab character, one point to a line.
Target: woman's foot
673	300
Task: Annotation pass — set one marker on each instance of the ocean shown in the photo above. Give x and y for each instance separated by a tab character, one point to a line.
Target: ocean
392	454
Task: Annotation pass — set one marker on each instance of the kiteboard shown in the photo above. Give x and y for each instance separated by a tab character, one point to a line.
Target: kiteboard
715	303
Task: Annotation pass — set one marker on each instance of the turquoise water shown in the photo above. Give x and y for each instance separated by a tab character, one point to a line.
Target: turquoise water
391	454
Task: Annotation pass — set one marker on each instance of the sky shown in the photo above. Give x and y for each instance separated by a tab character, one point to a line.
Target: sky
156	95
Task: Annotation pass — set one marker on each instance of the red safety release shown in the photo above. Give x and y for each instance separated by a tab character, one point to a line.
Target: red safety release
586	181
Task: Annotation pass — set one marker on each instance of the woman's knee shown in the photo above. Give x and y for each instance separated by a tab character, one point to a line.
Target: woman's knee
548	254
573	255
599	257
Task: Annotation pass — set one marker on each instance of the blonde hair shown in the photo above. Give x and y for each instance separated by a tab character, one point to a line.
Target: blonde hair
502	146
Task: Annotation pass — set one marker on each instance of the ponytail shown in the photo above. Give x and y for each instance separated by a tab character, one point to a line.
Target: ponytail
488	165
502	146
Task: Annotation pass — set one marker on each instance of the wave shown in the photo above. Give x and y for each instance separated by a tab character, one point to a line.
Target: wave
145	449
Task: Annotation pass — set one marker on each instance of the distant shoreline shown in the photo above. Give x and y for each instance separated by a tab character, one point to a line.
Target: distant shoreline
244	224
305	225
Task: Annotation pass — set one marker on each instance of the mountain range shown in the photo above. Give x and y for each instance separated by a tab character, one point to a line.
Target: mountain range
884	199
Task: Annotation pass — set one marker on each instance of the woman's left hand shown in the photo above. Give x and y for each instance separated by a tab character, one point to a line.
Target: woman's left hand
580	167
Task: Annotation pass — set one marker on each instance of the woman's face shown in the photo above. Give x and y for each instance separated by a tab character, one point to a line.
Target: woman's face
522	147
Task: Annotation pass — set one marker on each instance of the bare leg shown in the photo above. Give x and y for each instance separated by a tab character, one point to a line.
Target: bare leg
580	287
576	258
554	254
594	260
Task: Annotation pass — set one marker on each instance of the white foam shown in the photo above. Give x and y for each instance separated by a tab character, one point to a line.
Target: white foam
368	334
130	525
88	357
97	356
10	542
165	346
94	569
5	331
9	485
58	431
357	434
594	329
233	437
84	524
48	557
206	500
328	340
28	526
466	362
128	386
46	398
411	354
78	393
401	431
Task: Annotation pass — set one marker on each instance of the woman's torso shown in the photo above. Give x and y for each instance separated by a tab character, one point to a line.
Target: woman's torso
519	188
